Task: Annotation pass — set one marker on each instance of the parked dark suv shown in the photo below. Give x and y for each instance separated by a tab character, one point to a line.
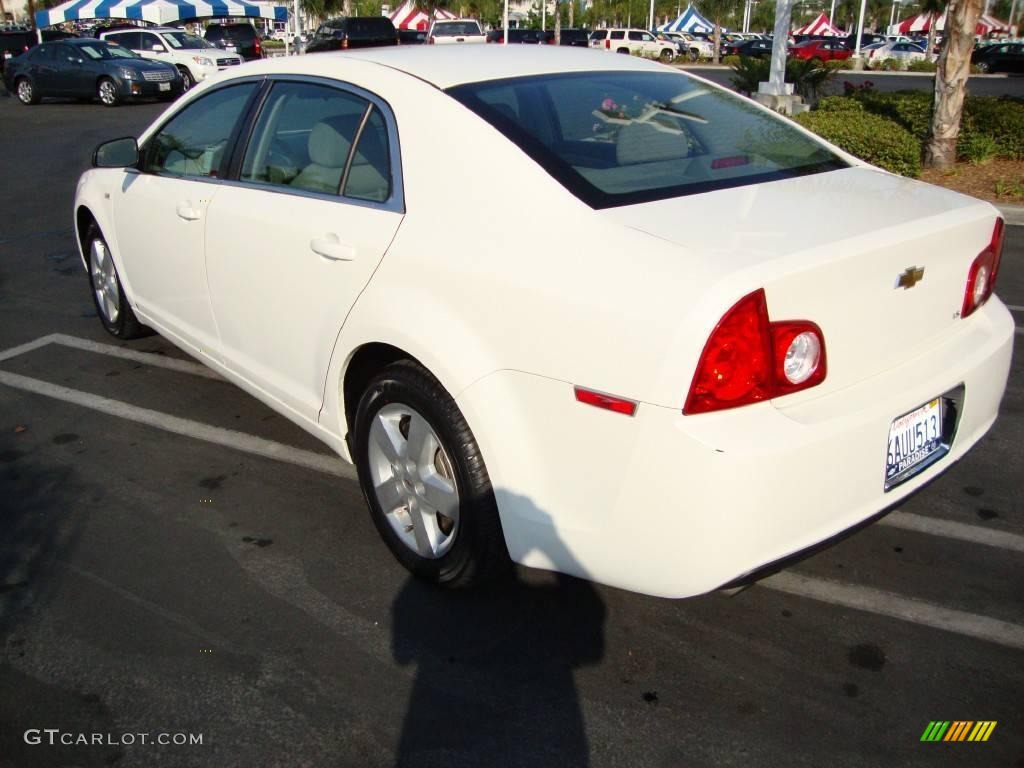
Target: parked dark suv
17	42
238	38
353	32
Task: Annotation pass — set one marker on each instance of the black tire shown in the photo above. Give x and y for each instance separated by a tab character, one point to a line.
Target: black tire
694	54
478	553
667	56
107	92
623	50
984	67
26	91
121	324
187	81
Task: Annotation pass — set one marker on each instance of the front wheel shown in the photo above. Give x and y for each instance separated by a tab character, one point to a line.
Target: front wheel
984	67
187	81
694	54
425	481
667	55
27	93
108	93
107	294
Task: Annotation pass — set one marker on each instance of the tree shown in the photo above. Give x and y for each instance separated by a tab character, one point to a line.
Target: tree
718	11
935	8
951	82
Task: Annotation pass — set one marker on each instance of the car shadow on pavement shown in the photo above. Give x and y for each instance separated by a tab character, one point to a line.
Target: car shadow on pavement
494	682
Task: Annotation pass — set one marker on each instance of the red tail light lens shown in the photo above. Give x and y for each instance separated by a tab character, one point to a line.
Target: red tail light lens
344	43
748	358
981	279
608	402
608	44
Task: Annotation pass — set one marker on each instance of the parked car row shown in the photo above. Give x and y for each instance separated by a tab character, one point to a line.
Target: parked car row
87	68
634	41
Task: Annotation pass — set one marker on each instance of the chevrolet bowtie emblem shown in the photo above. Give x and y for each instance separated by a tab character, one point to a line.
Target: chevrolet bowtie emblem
910	277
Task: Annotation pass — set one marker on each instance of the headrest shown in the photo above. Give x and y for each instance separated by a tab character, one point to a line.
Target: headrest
330	140
646	143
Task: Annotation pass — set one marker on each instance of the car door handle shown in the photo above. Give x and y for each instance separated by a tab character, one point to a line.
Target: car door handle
187	212
331	248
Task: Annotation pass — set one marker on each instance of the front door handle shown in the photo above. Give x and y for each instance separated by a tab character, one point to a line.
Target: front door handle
187	212
331	248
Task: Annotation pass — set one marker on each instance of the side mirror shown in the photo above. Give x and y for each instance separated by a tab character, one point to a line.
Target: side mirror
157	48
119	153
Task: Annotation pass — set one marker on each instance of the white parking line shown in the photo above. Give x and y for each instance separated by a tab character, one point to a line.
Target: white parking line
228	438
898	607
951	529
147	358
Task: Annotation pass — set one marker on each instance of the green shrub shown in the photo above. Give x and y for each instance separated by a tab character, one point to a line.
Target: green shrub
732	61
1002	120
921	65
977	148
872	138
911	109
840	104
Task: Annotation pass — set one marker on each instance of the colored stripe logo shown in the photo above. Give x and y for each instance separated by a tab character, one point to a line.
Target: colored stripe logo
958	730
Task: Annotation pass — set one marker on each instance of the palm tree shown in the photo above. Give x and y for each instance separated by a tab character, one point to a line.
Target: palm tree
951	82
717	11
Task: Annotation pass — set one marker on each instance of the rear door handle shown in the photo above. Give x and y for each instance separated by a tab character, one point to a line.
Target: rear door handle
187	212
331	248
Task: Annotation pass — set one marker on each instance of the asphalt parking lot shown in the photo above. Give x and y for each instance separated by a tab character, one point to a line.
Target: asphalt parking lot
178	560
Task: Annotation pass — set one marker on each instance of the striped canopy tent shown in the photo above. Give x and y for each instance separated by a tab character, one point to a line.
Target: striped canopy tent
923	21
820	26
409	16
157	11
689	21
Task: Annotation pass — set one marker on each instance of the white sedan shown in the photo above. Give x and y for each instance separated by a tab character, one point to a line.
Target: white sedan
903	52
698	370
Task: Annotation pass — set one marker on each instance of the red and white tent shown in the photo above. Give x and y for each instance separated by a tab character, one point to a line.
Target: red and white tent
923	21
408	16
820	26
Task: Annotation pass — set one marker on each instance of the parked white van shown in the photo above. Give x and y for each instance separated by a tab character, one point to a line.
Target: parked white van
194	57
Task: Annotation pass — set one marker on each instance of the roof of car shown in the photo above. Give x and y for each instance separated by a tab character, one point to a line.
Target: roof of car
447	66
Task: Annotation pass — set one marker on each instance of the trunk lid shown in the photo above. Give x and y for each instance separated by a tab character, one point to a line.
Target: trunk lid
832	248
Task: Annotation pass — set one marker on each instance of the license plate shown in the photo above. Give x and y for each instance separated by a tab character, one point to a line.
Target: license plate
164	86
915	440
230	48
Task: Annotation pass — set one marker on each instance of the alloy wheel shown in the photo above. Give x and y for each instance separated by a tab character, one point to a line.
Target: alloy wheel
413	480
25	91
104	281
108	95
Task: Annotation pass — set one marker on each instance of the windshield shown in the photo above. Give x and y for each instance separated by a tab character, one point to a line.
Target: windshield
178	40
456	28
618	138
100	50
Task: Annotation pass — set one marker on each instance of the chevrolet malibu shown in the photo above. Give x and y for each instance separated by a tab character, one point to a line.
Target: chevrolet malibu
733	341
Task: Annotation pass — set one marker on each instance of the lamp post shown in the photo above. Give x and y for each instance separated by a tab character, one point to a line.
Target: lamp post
650	19
858	63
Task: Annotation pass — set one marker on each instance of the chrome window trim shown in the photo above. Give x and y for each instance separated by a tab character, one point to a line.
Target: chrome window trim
395	202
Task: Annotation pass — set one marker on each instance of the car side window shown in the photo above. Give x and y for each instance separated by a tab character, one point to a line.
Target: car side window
42	53
619	35
193	142
303	138
148	41
369	173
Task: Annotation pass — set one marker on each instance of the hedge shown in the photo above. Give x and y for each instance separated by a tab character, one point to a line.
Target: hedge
870	137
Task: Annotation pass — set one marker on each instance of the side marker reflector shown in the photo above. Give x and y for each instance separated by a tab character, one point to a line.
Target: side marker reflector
608	402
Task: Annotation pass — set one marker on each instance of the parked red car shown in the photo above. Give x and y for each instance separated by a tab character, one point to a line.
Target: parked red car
826	50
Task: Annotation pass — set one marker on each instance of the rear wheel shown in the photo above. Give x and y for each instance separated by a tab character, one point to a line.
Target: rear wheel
27	93
667	55
694	54
108	93
984	67
107	294
622	50
425	481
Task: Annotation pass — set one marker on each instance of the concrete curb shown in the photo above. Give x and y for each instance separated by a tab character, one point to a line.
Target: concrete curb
1013	214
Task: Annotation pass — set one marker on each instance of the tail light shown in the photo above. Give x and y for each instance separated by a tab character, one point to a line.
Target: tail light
981	279
748	358
344	43
608	44
259	50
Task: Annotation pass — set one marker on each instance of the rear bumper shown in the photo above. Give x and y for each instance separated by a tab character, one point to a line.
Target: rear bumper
675	505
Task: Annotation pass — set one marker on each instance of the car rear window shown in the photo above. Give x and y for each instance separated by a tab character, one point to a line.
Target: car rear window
618	138
371	25
451	28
